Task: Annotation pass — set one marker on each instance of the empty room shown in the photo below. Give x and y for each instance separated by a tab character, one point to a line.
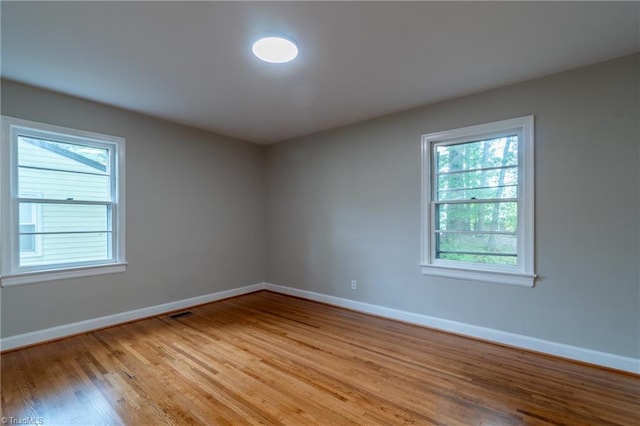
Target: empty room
367	213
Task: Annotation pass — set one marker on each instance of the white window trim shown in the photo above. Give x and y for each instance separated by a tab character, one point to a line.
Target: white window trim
522	274
10	273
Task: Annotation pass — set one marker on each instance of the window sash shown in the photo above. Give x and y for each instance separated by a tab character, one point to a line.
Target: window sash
111	243
436	200
437	233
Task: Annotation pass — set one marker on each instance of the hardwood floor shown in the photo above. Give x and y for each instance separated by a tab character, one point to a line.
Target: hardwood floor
265	358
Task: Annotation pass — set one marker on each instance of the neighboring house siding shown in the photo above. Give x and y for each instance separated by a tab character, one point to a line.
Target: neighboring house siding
60	217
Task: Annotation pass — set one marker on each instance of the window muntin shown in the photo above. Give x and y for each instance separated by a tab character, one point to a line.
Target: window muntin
478	202
78	178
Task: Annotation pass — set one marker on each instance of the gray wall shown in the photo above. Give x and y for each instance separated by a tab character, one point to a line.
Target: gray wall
345	204
195	215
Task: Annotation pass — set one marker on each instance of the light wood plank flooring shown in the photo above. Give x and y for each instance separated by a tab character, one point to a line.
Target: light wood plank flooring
265	358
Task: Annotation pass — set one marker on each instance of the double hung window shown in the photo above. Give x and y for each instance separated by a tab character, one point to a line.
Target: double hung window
62	202
478	202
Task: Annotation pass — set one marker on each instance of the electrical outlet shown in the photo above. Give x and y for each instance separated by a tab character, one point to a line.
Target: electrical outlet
354	285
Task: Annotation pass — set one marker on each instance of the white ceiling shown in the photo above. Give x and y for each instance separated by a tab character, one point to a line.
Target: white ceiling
191	62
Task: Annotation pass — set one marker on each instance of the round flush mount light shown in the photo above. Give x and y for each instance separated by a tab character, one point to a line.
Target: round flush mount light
275	50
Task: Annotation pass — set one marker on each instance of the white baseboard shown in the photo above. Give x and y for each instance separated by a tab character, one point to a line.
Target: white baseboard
576	353
40	336
511	339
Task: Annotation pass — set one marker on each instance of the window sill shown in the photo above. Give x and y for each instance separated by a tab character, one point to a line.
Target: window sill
496	277
61	274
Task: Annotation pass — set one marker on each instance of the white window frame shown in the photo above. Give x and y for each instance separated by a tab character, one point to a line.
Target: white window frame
11	272
522	273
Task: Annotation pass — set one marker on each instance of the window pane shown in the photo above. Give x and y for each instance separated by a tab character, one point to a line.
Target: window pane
477	243
59	185
489	260
495	152
70	217
27	242
499	216
482	184
33	152
67	248
26	213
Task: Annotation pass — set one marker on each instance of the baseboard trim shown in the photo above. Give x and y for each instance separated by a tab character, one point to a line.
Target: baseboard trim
604	359
66	330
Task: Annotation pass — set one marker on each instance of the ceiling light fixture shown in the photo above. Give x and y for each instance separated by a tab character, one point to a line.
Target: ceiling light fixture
275	50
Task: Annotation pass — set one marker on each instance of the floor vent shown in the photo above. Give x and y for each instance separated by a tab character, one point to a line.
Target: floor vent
181	314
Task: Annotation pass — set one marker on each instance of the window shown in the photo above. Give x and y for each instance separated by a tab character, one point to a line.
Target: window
62	202
478	193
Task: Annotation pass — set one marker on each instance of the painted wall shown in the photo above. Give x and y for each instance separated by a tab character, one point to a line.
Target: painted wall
345	204
195	215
